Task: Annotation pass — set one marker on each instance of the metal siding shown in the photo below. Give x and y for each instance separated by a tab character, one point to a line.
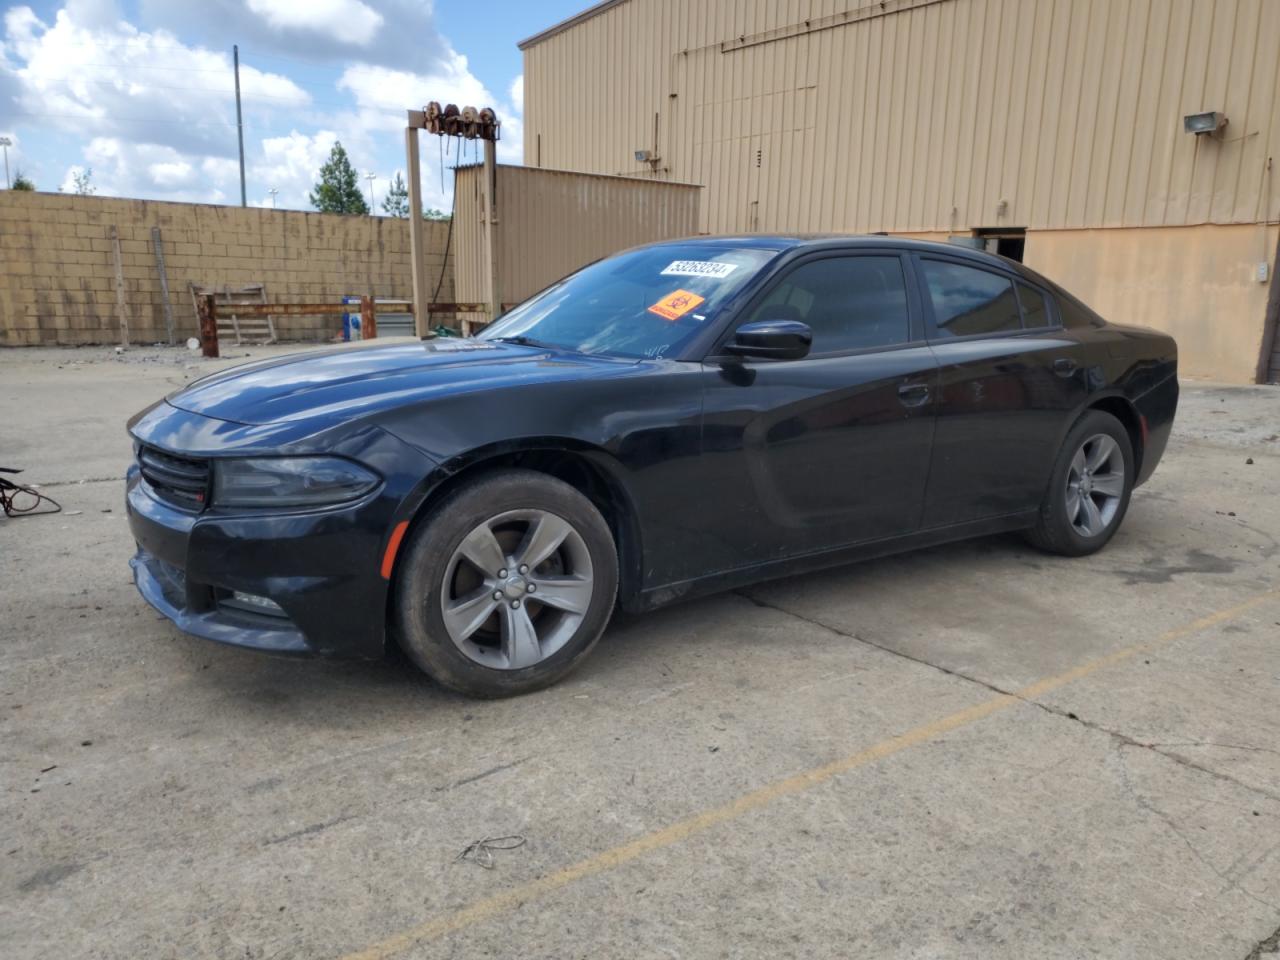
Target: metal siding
1071	110
551	222
470	272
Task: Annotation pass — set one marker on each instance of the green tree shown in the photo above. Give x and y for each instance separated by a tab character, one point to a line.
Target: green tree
431	213
22	182
338	189
396	203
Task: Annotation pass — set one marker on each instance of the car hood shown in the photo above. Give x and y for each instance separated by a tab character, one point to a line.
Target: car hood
353	381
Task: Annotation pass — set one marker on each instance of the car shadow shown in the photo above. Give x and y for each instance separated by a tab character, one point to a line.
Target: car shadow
348	694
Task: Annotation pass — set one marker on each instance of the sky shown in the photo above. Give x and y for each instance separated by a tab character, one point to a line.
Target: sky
141	91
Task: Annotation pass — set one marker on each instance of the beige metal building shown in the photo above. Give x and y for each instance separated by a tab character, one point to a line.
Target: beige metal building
1051	130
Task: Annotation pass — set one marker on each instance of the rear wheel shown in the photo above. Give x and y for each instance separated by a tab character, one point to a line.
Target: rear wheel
508	586
1089	490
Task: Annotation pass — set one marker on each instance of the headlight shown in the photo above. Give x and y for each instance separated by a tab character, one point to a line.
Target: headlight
289	481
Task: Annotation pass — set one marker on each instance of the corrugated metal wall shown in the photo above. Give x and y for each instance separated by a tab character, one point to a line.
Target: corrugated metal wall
551	222
921	115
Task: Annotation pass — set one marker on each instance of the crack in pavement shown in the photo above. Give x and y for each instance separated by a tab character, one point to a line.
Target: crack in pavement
995	688
116	478
1269	945
480	776
313	828
1232	882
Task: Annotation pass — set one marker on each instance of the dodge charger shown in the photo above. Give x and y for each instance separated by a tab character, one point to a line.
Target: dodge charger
680	418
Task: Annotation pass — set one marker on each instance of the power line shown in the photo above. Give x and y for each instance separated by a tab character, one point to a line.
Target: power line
111	119
248	95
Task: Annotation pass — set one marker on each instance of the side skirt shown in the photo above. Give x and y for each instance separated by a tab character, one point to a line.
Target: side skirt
655	597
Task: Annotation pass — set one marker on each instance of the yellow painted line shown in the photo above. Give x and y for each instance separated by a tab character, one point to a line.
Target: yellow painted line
667	836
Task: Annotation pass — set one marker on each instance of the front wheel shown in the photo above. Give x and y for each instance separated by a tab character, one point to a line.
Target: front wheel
508	585
1089	491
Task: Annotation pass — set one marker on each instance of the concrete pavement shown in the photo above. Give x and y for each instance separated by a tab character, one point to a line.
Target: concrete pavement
976	750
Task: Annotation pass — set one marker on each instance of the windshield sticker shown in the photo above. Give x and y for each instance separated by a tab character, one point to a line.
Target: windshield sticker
450	345
675	305
699	268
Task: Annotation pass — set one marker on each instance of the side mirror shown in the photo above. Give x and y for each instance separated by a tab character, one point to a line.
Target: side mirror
771	340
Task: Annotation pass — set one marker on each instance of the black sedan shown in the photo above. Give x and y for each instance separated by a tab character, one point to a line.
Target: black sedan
680	418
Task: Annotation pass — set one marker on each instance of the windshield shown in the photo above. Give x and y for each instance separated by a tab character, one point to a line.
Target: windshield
645	303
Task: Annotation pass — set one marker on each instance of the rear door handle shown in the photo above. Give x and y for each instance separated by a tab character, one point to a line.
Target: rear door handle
913	394
1065	366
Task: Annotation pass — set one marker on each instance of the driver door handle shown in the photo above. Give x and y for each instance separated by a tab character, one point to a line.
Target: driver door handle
913	394
1065	366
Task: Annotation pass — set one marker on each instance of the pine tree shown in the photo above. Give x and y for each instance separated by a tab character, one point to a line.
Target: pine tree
338	189
22	182
396	203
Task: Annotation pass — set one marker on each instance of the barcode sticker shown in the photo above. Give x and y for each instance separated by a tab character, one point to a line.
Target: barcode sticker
699	268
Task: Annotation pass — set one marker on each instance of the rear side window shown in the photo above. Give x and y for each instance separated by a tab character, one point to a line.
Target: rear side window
968	301
1035	307
1074	316
850	303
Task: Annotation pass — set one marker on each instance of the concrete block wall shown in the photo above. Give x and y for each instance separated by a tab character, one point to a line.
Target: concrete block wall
57	274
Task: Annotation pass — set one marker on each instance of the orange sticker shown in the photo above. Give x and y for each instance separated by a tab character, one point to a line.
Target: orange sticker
675	305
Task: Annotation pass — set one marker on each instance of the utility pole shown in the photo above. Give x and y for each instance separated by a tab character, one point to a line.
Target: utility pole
273	191
6	143
371	176
235	58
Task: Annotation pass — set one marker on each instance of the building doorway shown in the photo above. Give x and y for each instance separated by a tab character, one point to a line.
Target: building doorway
1008	242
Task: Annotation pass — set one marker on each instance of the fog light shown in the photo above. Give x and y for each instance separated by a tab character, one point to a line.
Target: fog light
252	603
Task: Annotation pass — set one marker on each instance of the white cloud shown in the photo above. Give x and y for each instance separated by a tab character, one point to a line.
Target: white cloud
405	32
172	173
349	21
290	164
382	95
156	115
517	94
123	168
136	94
118	81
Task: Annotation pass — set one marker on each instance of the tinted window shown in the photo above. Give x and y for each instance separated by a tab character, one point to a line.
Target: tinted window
643	303
1073	314
850	303
968	301
1035	307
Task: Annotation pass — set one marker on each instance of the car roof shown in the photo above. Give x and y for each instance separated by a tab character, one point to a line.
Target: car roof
778	242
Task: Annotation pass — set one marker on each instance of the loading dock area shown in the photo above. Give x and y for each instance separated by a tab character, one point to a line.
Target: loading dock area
975	750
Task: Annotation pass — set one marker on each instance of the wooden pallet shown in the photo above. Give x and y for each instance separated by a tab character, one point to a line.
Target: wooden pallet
250	329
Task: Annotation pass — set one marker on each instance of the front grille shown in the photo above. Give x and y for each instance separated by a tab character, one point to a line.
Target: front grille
181	481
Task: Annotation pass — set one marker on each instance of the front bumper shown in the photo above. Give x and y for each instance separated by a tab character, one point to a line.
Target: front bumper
321	567
165	588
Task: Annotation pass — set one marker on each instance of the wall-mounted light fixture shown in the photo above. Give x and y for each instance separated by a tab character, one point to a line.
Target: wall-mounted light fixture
1204	123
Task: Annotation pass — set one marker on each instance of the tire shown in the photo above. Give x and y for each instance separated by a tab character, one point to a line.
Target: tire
1066	524
469	628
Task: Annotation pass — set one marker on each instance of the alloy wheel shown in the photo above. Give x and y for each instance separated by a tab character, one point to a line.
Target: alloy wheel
516	589
1095	485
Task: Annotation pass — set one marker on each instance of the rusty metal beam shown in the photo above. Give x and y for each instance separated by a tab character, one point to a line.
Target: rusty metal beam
417	239
337	309
207	311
